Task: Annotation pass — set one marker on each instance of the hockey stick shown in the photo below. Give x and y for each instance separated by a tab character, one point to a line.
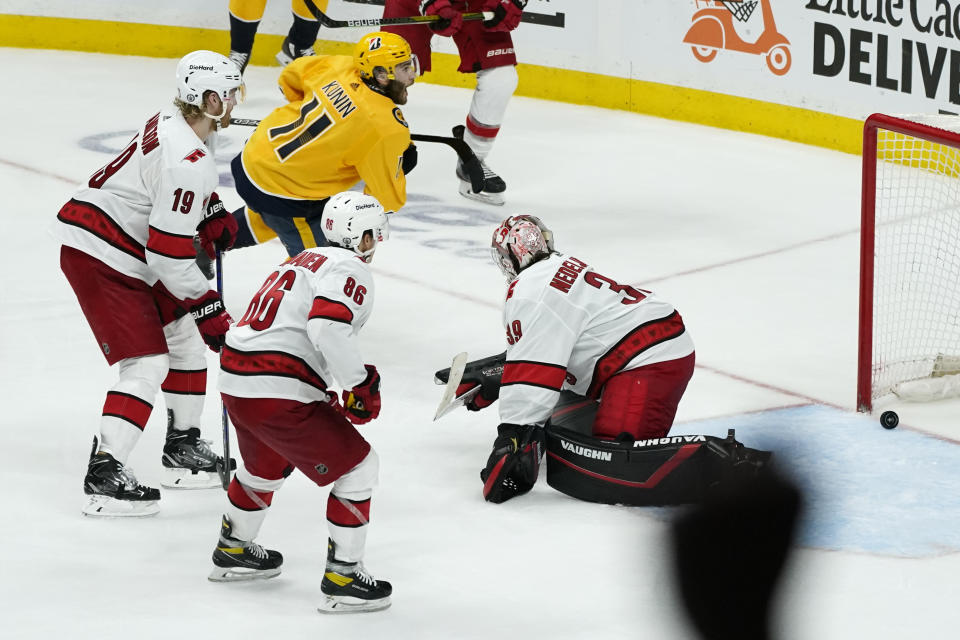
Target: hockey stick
450	399
471	163
224	468
329	22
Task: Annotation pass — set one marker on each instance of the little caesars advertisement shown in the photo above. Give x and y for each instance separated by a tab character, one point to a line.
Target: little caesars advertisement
843	57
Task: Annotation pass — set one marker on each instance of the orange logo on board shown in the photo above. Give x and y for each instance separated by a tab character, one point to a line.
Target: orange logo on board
717	25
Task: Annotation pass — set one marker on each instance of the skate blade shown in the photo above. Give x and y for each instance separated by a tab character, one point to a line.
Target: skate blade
107	507
346	604
283	59
466	190
179	478
240	574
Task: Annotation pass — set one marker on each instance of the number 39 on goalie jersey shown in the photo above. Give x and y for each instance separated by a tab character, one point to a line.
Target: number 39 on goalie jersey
298	334
569	327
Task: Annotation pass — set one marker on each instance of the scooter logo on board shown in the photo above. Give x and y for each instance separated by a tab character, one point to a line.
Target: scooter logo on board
736	25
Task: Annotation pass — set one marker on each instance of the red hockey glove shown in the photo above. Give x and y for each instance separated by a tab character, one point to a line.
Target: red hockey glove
477	402
363	401
211	318
506	16
218	229
450	19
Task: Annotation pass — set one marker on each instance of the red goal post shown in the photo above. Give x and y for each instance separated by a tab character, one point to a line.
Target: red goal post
909	342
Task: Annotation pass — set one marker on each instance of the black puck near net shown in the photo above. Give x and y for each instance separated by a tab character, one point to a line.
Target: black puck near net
889	419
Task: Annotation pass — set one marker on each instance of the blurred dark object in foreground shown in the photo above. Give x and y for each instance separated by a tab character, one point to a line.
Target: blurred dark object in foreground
729	552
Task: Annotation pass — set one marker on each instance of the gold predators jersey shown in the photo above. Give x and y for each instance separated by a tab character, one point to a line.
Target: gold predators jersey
335	132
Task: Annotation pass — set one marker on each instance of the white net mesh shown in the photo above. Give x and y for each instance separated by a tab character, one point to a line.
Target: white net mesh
916	303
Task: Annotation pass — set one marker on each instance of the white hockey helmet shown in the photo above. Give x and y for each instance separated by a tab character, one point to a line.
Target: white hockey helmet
201	71
518	242
347	215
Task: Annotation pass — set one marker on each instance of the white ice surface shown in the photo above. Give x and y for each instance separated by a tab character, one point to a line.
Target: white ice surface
753	239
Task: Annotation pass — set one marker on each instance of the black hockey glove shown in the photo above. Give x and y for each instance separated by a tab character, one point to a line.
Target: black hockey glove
409	159
514	463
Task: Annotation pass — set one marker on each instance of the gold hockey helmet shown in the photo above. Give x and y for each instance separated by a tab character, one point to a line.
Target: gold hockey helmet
382	49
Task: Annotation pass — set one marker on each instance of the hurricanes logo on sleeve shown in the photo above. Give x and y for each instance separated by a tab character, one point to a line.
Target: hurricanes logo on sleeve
194	155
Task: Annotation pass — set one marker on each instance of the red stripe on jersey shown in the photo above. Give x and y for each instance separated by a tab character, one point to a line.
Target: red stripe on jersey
192	383
127	407
633	344
246	499
269	363
96	221
536	374
481	130
656	478
330	310
171	245
347	513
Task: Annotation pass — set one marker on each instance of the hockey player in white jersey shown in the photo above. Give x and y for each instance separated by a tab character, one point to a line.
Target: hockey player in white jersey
570	328
297	340
128	252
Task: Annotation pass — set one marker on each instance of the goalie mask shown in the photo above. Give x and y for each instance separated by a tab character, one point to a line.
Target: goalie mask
349	214
202	71
518	242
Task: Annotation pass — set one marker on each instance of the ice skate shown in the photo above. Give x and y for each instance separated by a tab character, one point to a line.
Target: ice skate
493	185
188	461
288	52
235	560
113	490
240	59
348	588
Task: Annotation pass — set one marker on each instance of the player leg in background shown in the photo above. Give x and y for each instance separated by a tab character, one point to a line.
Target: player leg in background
303	33
643	402
296	234
121	313
245	16
490	55
188	461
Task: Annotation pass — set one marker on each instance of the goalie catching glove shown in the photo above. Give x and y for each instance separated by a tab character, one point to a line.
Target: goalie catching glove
514	463
362	403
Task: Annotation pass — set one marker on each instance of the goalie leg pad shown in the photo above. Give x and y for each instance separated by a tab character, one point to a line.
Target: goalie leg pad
659	471
514	464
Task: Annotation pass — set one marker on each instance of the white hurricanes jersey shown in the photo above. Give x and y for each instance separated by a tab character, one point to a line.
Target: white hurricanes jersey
139	213
570	328
298	335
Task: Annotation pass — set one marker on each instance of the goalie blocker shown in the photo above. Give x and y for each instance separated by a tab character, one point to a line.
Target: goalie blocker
662	471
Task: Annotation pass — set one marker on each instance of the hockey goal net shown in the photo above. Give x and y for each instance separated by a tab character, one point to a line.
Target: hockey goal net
910	259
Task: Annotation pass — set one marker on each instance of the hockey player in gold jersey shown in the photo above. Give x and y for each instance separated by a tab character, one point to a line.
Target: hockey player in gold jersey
342	125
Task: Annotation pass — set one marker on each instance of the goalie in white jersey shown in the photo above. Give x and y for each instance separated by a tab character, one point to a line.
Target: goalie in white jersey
128	252
297	339
570	328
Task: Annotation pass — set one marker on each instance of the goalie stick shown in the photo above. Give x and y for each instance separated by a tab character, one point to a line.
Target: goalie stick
469	159
223	469
329	22
450	399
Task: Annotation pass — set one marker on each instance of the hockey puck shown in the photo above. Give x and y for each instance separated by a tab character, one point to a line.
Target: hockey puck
889	419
